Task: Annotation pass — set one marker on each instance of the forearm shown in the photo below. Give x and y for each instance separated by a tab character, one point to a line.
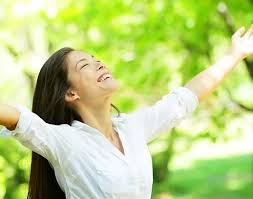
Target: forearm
208	80
9	116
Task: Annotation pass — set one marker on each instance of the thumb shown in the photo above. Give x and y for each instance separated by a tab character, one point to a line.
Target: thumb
238	33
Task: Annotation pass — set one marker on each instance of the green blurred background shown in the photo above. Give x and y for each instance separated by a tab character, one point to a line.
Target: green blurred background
151	46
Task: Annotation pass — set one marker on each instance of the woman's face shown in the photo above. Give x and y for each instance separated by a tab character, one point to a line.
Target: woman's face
90	79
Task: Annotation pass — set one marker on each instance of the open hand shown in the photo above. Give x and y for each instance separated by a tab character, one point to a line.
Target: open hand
242	42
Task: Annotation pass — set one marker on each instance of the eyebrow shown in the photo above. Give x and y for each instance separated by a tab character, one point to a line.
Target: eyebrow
80	61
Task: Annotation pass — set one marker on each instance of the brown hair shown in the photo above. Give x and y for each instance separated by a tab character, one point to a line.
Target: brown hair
49	104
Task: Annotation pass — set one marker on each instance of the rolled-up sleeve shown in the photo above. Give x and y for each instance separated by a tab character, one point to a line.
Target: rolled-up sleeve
165	113
35	134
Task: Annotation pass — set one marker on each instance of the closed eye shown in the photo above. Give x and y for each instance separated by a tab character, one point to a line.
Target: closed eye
84	65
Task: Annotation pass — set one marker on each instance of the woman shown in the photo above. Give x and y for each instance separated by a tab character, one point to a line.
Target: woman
79	149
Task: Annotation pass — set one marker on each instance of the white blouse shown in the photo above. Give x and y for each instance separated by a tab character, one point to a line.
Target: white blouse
87	165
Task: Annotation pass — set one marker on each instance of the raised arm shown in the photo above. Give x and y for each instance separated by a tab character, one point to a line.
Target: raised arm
33	132
181	102
206	81
9	116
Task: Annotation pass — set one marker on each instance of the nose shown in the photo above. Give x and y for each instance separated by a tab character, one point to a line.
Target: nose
100	66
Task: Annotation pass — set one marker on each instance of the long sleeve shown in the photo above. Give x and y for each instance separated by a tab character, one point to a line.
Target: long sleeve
165	113
37	135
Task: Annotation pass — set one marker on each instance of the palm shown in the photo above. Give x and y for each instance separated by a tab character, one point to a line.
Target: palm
242	43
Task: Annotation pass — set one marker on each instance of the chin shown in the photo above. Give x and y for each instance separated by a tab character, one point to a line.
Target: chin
114	87
111	86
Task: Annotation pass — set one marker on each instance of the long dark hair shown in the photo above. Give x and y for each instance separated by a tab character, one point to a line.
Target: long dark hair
49	104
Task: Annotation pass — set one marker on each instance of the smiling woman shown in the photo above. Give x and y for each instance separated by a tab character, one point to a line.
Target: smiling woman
81	150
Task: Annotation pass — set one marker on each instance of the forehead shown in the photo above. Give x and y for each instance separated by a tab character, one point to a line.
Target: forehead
75	56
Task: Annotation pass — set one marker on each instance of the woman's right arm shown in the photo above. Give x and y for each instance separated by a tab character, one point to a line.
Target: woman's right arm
9	116
33	132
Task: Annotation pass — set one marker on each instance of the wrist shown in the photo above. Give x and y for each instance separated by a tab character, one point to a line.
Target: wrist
236	55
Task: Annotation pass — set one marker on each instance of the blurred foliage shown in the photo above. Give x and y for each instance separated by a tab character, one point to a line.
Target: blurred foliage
151	46
219	178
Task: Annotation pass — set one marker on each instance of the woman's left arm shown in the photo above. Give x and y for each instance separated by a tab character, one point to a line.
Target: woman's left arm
206	81
181	102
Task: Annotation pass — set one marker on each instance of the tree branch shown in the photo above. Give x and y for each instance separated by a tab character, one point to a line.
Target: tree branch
223	11
250	109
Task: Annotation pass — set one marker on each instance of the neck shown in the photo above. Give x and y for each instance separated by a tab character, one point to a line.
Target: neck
97	116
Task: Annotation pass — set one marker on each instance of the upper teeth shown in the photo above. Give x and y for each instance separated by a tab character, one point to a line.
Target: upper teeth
104	77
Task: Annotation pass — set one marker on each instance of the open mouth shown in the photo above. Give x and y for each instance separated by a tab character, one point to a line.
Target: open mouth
104	77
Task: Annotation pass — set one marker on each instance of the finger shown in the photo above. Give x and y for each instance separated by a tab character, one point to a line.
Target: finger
239	32
249	33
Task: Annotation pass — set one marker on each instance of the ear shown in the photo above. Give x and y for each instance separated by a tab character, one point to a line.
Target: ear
71	96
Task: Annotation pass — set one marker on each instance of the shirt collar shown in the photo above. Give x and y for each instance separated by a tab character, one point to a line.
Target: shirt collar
116	120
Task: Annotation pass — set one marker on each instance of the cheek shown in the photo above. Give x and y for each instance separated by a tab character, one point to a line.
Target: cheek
87	77
88	82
